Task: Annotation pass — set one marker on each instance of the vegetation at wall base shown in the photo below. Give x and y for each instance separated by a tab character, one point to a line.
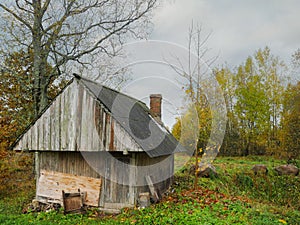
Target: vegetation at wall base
235	196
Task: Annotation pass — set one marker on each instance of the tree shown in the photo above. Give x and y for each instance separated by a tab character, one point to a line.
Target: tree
252	106
16	101
194	124
176	129
290	117
227	80
67	33
271	68
195	73
291	122
253	96
205	111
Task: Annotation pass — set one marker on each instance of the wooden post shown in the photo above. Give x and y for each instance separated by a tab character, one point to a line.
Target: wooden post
37	170
196	168
132	180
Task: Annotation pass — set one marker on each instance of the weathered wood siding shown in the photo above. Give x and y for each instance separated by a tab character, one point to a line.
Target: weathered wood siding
91	165
86	164
101	165
51	184
161	170
76	121
119	194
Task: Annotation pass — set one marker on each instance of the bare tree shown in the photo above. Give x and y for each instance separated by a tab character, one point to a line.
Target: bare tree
204	98
69	32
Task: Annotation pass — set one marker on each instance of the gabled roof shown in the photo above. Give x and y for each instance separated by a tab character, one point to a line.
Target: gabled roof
131	114
134	116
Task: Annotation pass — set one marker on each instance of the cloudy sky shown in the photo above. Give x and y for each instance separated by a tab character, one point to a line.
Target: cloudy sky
238	29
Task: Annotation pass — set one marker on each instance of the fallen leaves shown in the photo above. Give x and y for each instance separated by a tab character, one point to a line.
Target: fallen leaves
204	197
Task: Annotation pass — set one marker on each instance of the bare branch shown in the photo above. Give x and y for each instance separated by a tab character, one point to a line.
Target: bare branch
88	7
16	16
45	6
97	45
22	8
58	24
66	30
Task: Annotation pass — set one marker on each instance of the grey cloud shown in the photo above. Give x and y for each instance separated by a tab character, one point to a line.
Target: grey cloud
239	27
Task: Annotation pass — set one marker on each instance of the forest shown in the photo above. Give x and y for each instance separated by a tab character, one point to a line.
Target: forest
262	102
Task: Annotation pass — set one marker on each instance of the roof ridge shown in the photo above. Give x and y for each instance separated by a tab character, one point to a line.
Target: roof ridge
111	89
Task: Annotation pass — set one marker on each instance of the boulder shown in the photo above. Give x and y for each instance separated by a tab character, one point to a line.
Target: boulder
192	169
287	170
206	170
260	169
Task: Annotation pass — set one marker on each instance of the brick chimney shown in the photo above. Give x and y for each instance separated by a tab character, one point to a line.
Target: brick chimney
155	107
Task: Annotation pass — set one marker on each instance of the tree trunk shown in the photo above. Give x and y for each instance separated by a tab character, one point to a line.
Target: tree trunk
39	65
44	83
36	74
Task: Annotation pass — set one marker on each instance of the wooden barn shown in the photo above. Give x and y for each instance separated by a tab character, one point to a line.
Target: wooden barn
103	142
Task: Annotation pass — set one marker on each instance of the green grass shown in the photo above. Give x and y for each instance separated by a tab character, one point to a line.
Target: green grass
236	178
235	196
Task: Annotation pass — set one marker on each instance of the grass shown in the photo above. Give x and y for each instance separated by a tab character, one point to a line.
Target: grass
235	196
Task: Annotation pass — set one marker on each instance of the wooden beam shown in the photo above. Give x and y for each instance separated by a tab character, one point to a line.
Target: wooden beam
37	169
152	188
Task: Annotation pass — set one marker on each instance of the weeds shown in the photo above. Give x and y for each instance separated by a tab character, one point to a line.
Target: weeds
235	196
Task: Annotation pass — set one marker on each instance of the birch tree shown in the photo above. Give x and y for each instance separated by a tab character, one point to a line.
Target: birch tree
66	33
227	80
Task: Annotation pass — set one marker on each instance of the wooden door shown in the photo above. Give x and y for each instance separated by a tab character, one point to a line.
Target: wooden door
117	194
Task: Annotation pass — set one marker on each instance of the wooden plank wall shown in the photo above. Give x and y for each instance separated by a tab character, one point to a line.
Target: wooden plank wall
76	121
157	168
116	194
78	164
94	165
99	164
86	164
52	183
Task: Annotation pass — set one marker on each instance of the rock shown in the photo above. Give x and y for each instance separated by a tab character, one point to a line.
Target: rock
206	170
192	169
260	168
287	170
144	200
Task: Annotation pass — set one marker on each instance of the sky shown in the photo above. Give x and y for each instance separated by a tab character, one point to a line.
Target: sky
237	29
